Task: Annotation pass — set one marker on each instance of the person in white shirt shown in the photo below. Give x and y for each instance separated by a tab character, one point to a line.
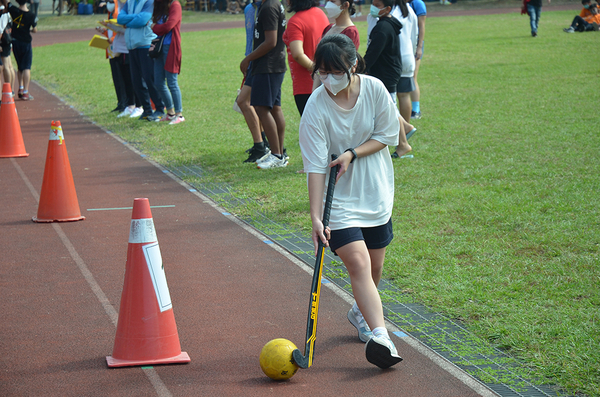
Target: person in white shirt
408	47
354	116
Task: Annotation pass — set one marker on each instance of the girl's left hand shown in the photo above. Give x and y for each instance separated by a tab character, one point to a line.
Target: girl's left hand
344	162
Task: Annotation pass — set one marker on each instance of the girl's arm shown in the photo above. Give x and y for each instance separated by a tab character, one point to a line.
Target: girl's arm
172	20
369	147
297	50
316	190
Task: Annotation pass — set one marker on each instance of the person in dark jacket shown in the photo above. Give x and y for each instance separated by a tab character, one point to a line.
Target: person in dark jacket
383	59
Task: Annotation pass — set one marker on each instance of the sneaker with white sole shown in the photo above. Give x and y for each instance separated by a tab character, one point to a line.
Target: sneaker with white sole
272	162
168	117
126	112
177	120
137	112
364	332
380	351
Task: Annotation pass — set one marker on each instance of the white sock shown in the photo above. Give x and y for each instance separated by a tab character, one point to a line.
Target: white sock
381	332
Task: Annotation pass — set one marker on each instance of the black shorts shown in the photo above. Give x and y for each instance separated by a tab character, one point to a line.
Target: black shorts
23	54
248	80
266	89
5	51
406	84
374	237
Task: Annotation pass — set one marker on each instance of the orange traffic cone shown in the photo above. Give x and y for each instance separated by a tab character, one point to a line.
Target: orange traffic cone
58	199
146	331
11	139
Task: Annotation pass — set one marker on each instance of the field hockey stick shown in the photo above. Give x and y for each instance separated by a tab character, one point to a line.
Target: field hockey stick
305	361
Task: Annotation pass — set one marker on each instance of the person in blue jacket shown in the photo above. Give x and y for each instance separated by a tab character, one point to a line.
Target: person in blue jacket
136	16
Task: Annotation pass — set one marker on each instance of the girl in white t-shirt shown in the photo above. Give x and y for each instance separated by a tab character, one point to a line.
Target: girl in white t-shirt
354	116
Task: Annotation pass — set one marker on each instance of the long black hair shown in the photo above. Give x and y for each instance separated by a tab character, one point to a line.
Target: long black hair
336	52
301	5
161	9
403	7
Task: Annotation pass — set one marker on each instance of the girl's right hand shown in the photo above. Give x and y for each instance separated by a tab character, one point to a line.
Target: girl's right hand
318	234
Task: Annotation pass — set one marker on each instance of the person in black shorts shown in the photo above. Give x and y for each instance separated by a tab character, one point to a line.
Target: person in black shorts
24	23
268	70
6	68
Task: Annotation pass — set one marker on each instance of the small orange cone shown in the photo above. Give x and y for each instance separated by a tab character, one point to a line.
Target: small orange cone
146	331
58	199
11	139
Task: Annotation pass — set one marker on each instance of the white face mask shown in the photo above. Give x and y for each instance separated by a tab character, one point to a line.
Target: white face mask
333	10
335	83
110	7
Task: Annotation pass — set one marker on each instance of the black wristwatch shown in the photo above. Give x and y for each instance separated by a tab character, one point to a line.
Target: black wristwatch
354	155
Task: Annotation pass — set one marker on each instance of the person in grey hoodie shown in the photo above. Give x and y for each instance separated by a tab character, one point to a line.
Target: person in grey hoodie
136	16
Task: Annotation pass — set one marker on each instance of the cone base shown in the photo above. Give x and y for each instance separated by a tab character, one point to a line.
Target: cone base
38	220
5	156
182	358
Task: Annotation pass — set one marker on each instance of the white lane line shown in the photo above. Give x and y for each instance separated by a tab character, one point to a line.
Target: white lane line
151	374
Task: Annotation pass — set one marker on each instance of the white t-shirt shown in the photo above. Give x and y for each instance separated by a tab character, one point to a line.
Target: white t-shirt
408	38
4	20
364	195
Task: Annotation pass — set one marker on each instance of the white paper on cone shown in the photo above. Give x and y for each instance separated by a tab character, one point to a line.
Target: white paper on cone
157	273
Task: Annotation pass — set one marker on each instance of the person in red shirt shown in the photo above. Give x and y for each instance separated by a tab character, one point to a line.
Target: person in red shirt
303	33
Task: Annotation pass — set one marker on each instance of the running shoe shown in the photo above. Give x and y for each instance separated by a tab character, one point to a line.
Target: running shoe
137	112
256	155
357	319
415	115
156	116
380	351
177	120
168	117
20	93
126	112
27	97
569	30
272	162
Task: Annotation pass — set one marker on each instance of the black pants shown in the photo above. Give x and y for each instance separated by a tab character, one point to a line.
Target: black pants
142	75
301	100
580	24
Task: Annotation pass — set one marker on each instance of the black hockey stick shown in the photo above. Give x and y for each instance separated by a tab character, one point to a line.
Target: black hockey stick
305	361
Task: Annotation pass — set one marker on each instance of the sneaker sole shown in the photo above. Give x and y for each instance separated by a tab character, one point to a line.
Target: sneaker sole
380	355
263	158
361	336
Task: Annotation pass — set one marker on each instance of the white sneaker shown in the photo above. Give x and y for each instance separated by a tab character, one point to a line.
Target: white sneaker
137	112
272	162
380	351
357	319
126	112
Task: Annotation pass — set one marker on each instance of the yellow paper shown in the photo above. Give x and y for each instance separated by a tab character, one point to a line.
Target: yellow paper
99	42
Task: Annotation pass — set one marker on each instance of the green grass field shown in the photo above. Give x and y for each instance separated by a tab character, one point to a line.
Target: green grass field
497	216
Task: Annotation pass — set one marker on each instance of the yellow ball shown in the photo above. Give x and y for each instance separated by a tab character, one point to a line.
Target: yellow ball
276	359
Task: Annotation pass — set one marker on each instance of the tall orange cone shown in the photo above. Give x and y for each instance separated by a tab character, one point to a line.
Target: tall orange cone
58	199
146	331
11	139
